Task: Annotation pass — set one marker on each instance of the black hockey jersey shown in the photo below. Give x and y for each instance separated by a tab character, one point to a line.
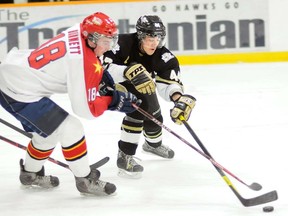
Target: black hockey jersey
162	65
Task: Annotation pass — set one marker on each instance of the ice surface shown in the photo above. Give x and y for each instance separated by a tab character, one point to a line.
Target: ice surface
241	116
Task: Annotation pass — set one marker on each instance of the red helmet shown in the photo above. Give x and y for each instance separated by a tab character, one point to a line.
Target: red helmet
97	25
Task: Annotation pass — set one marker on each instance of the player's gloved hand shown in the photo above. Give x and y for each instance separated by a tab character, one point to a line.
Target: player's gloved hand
106	85
140	78
182	107
122	102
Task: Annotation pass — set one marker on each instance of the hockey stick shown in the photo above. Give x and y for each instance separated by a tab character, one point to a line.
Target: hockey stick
16	128
265	198
95	165
268	197
253	186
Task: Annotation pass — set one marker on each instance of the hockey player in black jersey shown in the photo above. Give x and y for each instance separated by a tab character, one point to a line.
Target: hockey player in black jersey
140	62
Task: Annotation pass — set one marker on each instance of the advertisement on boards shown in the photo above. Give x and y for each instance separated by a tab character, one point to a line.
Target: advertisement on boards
193	27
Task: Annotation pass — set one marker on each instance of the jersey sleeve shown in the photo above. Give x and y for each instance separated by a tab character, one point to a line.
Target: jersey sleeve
100	105
168	76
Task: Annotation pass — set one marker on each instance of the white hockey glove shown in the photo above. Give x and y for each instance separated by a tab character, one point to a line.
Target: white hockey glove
140	78
183	107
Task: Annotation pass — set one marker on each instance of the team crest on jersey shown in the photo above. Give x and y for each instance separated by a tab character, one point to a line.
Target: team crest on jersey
167	56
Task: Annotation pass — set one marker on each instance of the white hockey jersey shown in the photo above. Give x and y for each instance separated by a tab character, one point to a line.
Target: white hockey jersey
64	64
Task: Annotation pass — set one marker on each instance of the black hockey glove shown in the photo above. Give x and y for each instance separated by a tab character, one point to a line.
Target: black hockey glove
140	78
183	107
122	102
106	85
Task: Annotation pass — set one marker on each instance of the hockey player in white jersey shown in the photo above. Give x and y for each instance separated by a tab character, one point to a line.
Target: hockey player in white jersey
68	63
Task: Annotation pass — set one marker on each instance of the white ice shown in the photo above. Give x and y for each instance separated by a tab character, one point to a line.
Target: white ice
241	117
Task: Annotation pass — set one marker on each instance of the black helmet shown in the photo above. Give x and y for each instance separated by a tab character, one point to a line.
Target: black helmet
150	25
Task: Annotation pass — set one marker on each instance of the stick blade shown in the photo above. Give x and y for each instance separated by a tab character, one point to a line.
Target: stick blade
255	186
264	198
100	163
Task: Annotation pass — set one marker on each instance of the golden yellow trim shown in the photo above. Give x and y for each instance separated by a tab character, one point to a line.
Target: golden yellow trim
69	3
153	137
233	58
157	78
74	147
132	128
126	60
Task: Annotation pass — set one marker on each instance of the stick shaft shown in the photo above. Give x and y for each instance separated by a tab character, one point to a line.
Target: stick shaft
207	153
24	148
207	156
16	128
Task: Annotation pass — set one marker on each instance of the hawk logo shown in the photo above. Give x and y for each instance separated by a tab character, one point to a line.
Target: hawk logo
166	57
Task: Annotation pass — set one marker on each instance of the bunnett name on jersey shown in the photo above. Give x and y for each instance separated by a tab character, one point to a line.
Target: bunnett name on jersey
74	43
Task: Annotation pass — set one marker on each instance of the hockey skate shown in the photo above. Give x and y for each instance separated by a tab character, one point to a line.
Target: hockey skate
128	167
92	185
37	179
162	150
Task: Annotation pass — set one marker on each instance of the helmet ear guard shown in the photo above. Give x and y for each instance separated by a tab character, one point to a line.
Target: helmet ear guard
93	37
151	25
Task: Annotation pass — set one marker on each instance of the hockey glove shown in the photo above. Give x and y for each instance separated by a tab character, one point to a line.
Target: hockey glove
122	102
183	107
106	85
140	78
